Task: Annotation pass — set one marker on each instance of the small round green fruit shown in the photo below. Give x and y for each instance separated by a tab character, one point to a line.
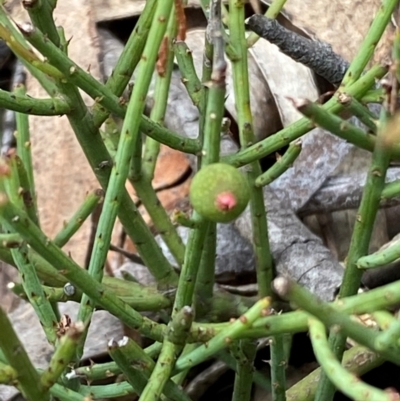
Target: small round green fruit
219	192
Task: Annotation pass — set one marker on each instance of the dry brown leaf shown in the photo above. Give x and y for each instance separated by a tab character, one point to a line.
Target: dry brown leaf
171	166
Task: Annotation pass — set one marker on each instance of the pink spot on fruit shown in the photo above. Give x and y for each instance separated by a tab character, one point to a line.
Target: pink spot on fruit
226	201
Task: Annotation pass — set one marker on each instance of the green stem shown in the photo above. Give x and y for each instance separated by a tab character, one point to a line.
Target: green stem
29	202
161	373
244	354
346	382
73	74
258	377
99	159
233	331
336	320
161	92
383	319
282	164
190	79
159	217
24	52
92	201
339	127
362	112
30	280
79	277
10	240
206	276
360	240
264	262
211	122
100	371
378	299
357	360
128	60
17	358
367	49
278	368
28	105
391	190
137	367
62	356
389	338
381	257
302	126
25	154
138	297
41	13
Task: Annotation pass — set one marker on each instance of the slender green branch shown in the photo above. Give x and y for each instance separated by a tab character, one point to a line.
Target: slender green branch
381	257
102	94
100	162
383	319
25	154
92	201
138	297
137	367
102	370
282	164
80	278
161	92
278	368
389	338
62	356
357	360
129	139
338	321
29	202
10	240
361	237
128	60
244	353
206	275
159	217
367	48
258	377
231	332
211	121
66	394
360	111
30	280
264	261
391	190
28	105
17	358
174	342
341	128
17	40
190	79
375	300
41	13
346	382
302	126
